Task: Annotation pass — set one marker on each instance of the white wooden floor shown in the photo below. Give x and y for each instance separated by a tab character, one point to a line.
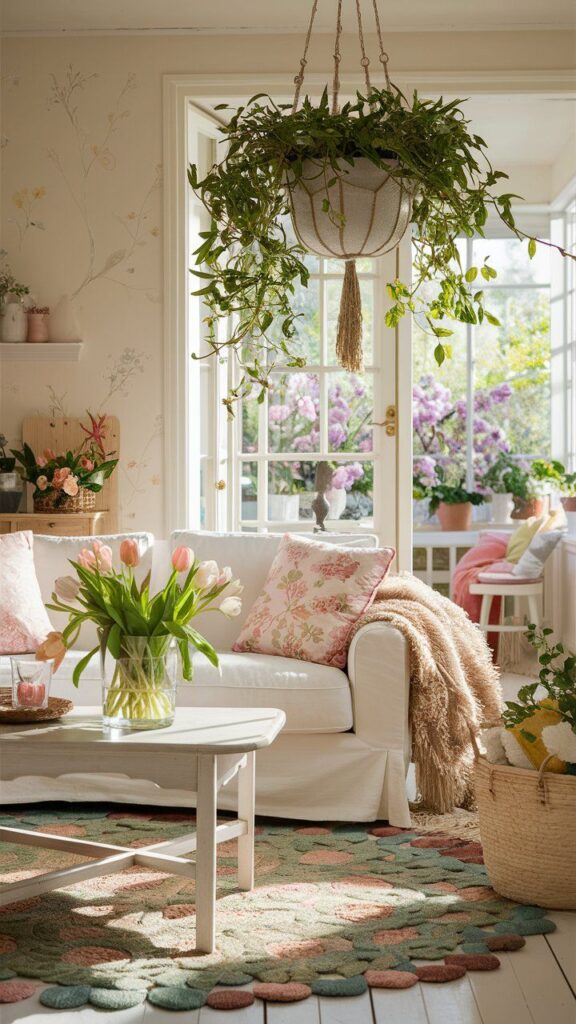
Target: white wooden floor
536	985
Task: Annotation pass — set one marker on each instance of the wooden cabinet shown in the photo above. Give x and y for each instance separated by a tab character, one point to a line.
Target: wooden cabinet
84	524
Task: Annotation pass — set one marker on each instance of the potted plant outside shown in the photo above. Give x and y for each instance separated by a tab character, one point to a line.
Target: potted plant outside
10	481
564	482
453	502
528	500
14	323
246	262
502	478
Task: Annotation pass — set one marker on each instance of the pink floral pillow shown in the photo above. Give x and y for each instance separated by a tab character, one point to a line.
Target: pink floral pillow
312	598
24	621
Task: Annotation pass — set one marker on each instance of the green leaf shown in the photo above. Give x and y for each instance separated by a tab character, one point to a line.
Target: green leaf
531	248
439	354
82	664
471	274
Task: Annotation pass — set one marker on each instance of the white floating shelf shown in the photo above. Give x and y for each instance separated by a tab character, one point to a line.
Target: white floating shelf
41	351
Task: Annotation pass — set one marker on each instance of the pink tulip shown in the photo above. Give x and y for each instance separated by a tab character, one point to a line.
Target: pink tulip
87	559
49	454
104	558
52	649
86	463
41	461
67	588
130	552
182	559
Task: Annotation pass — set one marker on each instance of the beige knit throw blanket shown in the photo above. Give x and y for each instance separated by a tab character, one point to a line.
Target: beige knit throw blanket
454	685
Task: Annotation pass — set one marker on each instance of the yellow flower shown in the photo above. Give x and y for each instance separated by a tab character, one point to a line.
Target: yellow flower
18	200
155	231
39	192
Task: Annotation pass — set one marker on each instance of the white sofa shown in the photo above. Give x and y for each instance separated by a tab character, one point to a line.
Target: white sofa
344	752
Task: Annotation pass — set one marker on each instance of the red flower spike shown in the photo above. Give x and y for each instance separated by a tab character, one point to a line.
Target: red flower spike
98	432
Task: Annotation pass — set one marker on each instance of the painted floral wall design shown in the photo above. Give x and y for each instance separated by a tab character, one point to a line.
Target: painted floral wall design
87	222
95	152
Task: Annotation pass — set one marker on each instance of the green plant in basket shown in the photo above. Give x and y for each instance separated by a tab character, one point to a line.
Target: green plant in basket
555	689
451	493
137	629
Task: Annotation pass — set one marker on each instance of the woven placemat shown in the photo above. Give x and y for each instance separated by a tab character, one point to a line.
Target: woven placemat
57	708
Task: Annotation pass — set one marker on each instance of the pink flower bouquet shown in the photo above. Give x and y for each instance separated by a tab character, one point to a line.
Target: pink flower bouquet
137	628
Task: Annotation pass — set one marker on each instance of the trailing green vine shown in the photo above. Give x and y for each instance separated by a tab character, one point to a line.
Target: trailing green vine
248	266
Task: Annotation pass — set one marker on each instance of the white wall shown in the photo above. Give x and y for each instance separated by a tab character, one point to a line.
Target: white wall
81	123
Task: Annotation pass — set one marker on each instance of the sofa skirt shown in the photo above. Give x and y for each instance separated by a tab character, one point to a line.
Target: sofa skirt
323	777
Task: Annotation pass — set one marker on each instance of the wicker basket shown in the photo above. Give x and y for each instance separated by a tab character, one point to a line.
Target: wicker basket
528	830
84	501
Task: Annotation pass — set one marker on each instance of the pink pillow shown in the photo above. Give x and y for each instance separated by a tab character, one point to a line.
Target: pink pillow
312	598
24	621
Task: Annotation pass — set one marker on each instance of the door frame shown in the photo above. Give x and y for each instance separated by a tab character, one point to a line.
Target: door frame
203	90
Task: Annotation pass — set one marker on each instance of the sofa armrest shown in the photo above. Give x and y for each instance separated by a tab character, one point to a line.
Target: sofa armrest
379	673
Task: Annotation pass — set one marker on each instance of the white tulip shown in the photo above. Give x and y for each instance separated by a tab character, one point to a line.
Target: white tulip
67	588
225	576
231	607
234	589
207	575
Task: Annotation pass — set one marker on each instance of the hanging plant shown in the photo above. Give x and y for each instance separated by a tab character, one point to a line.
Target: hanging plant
353	180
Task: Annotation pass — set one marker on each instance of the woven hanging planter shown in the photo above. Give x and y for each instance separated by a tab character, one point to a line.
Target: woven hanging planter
356	210
369	213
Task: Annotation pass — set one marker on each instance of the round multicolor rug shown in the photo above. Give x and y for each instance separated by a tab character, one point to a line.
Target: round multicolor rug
335	908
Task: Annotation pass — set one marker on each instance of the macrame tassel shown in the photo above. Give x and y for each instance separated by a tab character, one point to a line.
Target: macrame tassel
349	338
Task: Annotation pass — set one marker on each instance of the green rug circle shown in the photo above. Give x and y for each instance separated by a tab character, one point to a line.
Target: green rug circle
329	900
65	997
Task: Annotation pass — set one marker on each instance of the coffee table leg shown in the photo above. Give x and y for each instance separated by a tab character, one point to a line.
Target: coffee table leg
206	854
246	802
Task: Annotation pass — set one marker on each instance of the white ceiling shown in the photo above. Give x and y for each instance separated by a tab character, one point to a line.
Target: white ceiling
532	130
282	16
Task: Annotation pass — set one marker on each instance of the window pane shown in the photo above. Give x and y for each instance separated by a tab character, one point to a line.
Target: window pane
439	408
333	294
365	265
306	303
350	413
516	357
509	257
249	490
250	415
293	413
291	489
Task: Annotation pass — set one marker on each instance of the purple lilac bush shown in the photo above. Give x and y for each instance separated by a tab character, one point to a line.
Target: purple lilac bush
439	424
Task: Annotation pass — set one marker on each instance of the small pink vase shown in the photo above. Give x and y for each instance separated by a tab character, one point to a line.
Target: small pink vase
37	327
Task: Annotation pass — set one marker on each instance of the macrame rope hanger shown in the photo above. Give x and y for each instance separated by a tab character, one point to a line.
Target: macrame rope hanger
349	331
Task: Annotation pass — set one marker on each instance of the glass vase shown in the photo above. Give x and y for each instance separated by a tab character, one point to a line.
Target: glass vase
139	687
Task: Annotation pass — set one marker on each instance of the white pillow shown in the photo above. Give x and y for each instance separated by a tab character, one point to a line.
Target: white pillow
530	565
51	559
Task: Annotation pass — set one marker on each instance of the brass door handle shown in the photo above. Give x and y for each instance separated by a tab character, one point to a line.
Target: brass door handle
220	485
389	423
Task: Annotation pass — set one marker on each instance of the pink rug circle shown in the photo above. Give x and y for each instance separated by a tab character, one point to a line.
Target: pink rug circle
388	830
473	961
505	943
230	999
391	979
14	991
440	972
291	992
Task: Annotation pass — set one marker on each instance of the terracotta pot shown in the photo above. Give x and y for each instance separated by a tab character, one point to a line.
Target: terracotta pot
526	509
455	517
569	503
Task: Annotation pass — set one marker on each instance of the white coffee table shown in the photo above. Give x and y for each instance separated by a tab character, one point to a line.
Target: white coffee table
202	751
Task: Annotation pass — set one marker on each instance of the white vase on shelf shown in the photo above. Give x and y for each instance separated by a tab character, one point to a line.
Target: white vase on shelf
14	322
63	324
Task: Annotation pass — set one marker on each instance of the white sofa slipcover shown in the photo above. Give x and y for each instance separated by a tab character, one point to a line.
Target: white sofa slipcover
345	749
